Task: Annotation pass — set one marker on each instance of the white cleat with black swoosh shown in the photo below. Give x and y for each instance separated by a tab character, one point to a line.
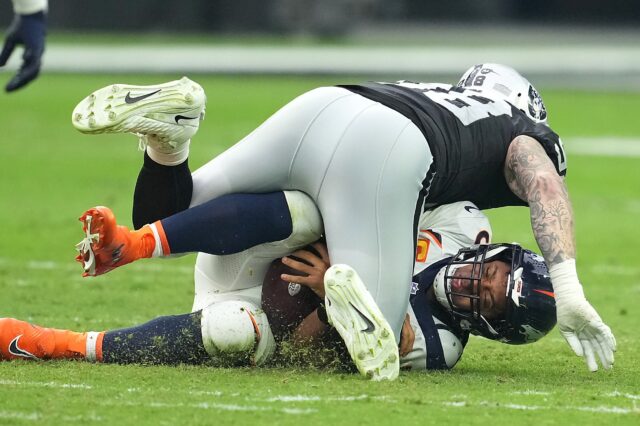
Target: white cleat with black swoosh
357	318
164	116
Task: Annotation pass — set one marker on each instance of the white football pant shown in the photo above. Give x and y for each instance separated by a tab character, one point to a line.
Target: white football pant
361	163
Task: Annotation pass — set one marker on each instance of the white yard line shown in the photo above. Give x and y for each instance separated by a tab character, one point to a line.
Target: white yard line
211	406
293	398
523	407
18	415
92	417
602	409
317	398
624	395
46	384
607	410
299	410
229	407
455	403
531	392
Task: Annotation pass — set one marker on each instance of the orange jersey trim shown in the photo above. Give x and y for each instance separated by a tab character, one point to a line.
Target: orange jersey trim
433	238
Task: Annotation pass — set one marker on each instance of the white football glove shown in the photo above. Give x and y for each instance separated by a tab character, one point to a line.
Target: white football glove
578	321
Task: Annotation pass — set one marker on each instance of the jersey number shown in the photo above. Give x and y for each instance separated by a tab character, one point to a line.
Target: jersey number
562	158
467	105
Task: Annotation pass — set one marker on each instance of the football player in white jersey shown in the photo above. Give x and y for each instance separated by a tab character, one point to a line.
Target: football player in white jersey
461	285
27	29
372	158
233	329
227	325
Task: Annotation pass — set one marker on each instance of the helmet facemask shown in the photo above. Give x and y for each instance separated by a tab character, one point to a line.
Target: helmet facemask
529	309
454	290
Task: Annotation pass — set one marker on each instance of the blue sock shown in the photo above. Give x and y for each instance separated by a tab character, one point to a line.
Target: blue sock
166	340
229	224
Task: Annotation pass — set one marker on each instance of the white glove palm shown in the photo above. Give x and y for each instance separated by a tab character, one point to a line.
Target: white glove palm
585	332
578	321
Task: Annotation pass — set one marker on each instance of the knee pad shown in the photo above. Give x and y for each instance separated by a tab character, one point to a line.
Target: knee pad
237	329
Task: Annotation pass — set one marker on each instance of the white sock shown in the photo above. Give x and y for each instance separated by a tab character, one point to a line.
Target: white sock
157	251
92	340
171	158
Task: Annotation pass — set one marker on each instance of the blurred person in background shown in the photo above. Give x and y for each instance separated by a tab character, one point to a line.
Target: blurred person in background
28	29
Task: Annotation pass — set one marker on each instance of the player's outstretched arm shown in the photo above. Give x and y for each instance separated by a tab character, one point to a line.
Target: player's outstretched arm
27	29
532	177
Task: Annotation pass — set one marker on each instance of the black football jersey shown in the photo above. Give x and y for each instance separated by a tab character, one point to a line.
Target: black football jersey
468	133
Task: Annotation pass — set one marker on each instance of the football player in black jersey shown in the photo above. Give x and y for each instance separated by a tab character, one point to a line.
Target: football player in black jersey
533	170
372	158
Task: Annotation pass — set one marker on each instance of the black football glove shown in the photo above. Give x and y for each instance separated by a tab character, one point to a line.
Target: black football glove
29	31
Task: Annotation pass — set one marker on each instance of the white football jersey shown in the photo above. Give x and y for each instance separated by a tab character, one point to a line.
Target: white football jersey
442	232
446	229
452	347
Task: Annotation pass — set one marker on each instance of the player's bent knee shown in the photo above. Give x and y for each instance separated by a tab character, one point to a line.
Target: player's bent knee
237	329
306	221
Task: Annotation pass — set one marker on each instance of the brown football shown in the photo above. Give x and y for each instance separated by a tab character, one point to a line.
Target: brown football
285	304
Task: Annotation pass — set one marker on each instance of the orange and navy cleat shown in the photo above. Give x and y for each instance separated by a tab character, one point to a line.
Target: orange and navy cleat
22	340
108	245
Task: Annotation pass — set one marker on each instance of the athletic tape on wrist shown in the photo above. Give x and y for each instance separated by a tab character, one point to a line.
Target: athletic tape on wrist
564	277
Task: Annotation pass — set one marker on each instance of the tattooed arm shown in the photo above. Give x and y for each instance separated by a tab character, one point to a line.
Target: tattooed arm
532	176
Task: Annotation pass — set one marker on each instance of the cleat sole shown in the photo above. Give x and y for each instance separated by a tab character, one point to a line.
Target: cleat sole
367	335
141	109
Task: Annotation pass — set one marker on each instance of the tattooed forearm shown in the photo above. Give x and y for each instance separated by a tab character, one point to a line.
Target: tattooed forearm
531	176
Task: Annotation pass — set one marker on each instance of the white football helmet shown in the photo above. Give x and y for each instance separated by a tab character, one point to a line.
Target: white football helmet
509	84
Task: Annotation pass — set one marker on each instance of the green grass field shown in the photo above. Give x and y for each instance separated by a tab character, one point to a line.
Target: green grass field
49	174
